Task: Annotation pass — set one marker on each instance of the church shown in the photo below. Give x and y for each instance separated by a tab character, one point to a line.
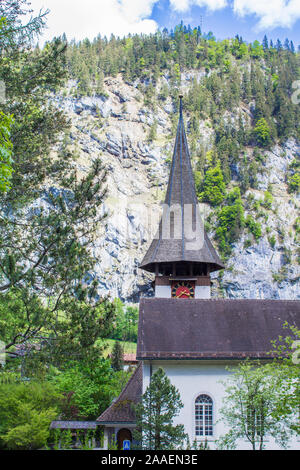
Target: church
192	337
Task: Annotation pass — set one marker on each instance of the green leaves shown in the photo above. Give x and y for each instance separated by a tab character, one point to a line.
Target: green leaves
253	393
213	186
262	132
89	387
230	221
6	151
26	411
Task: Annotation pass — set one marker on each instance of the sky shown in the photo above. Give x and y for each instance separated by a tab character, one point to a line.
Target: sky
251	19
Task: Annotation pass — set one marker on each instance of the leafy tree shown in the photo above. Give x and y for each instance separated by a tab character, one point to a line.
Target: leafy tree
126	322
26	411
213	186
91	385
230	221
250	404
286	365
160	404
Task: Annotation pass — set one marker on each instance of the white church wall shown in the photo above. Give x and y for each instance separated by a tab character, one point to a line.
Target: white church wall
202	292
163	292
194	378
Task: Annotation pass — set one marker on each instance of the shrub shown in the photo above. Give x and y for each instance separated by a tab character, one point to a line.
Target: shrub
230	221
272	240
213	186
254	227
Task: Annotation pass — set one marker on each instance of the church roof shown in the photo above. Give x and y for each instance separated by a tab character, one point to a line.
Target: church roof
181	236
122	409
212	329
73	425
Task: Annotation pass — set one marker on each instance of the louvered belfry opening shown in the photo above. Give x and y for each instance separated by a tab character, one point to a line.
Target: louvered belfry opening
181	247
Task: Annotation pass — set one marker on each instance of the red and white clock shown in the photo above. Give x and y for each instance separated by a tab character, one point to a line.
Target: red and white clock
183	289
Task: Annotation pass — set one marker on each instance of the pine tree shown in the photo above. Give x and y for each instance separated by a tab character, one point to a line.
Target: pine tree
117	356
265	43
160	404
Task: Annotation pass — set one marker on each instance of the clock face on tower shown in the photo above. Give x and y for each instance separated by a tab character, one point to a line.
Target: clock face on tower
183	290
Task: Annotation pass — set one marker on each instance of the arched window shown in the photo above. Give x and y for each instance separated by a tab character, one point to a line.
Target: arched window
204	416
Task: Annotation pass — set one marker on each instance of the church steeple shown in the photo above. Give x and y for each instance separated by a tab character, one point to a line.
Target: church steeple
181	248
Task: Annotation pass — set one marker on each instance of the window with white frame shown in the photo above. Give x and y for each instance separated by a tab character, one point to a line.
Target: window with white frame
203	416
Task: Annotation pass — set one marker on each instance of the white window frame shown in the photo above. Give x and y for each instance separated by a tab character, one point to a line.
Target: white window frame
204	409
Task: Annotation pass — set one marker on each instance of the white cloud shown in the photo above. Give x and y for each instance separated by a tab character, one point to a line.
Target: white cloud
184	5
88	18
271	14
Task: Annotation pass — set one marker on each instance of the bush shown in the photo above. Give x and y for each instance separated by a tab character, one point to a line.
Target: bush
254	227
272	240
26	411
230	221
294	183
213	186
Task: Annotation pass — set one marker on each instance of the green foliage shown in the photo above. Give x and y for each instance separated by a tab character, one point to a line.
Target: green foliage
293	177
254	227
126	322
213	188
230	221
160	404
117	356
88	386
26	411
287	367
45	250
297	225
51	336
250	407
238	72
6	148
294	183
262	132
268	200
272	241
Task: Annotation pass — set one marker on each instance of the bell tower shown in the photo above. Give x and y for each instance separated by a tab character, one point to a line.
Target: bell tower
181	255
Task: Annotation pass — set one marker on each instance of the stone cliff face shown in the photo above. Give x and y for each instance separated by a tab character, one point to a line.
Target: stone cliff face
116	126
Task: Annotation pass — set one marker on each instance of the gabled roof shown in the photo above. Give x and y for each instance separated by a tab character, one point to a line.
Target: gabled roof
122	409
182	237
212	329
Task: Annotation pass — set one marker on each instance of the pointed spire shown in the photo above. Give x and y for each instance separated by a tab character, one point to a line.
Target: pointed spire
180	106
181	237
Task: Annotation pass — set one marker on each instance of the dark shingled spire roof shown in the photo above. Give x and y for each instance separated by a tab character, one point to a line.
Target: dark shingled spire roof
187	240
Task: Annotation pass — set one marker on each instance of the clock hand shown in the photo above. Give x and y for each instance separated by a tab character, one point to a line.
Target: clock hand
184	293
